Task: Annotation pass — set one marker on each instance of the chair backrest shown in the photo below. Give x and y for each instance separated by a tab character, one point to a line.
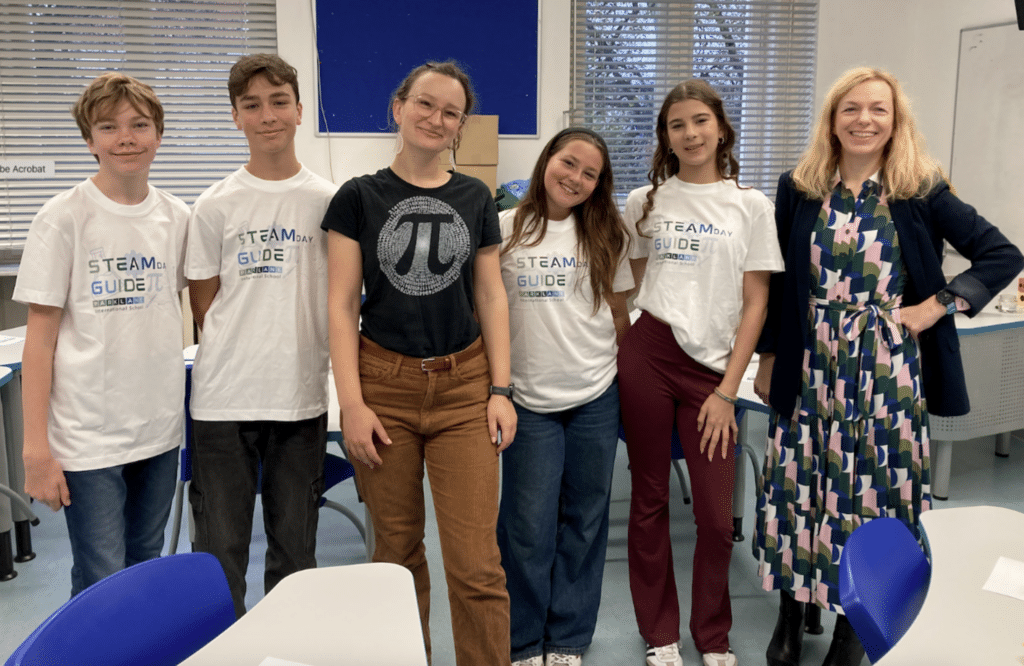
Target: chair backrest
156	612
336	470
883	582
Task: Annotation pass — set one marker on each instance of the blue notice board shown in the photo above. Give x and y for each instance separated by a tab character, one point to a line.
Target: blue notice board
367	48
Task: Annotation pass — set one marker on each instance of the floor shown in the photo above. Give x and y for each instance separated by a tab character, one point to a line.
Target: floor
978	478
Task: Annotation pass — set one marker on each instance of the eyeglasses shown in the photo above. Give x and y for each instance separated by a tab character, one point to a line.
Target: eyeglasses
427	107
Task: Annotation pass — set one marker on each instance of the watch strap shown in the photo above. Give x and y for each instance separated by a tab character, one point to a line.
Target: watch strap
947	298
503	390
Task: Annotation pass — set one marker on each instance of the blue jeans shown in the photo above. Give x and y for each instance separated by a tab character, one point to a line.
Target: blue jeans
118	515
229	459
553	523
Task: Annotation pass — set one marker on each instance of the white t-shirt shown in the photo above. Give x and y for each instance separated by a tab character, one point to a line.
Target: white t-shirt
263	354
703	238
563	355
118	392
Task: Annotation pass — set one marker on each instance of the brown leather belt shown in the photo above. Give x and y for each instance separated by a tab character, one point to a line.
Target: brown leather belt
432	364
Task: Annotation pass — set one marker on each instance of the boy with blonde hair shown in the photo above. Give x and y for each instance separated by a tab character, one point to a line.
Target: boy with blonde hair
102	373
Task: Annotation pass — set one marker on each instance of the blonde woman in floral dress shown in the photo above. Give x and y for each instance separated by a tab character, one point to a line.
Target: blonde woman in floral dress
859	332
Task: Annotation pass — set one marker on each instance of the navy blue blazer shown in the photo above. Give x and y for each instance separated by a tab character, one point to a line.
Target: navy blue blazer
922	223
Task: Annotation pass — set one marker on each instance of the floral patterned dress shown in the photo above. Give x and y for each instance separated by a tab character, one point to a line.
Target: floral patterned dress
856	446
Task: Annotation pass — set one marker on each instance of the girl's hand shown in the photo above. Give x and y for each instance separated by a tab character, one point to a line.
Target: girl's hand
501	417
763	378
358	426
717	420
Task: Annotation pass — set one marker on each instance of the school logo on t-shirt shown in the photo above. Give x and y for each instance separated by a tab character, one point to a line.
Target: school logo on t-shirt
685	243
129	281
423	245
270	252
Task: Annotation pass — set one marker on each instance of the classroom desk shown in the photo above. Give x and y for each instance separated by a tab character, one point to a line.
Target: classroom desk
754	449
7	571
960	623
350	615
12	343
992	348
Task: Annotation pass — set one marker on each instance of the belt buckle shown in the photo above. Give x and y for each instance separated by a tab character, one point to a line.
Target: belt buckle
423	363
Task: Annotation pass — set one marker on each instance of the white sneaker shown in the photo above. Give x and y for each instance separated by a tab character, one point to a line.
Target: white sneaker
666	655
532	661
559	659
719	659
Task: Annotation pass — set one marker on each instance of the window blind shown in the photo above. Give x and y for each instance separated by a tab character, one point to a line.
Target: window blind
184	49
759	55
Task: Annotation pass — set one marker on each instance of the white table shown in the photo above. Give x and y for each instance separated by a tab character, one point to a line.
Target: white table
7	496
12	344
992	348
351	615
961	624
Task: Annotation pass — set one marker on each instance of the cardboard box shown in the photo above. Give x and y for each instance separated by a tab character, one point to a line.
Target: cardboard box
486	173
479	143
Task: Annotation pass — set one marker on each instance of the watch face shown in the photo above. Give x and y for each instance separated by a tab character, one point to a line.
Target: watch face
944	297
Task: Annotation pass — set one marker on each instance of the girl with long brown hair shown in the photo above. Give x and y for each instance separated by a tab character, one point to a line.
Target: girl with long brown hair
563	262
704	247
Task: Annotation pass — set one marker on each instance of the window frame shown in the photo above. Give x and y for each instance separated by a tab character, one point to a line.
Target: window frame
184	49
627	56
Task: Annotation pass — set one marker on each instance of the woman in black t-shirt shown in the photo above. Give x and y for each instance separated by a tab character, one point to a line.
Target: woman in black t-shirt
426	379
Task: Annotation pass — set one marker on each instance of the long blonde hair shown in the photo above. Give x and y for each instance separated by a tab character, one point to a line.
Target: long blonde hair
907	168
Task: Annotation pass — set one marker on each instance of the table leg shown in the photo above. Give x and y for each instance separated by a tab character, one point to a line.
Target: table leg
741	478
1003	444
737	497
942	458
371	539
7	571
10	396
23	541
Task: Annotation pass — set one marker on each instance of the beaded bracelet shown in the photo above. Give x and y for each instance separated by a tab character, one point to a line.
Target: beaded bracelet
731	401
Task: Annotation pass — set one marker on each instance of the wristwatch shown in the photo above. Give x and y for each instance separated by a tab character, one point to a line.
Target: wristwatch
503	390
947	298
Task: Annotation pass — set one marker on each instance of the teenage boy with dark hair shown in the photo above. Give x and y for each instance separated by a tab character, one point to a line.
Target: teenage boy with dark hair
102	374
256	264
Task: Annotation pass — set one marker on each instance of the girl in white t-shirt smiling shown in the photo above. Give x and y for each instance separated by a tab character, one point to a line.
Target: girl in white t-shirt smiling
704	250
563	261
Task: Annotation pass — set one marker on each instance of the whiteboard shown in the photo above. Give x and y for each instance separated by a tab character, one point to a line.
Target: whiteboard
987	165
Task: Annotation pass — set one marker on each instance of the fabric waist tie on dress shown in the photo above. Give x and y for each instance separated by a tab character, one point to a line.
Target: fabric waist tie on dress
859	317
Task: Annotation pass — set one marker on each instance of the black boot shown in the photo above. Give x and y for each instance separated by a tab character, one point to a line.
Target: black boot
846	649
784	650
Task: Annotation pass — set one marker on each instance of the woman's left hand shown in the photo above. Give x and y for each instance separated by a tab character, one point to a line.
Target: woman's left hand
921	317
501	418
717	420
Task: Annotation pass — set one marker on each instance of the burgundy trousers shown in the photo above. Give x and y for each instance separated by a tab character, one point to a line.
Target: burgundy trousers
661	387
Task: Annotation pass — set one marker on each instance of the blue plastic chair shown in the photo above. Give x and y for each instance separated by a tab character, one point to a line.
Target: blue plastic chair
157	613
883	582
